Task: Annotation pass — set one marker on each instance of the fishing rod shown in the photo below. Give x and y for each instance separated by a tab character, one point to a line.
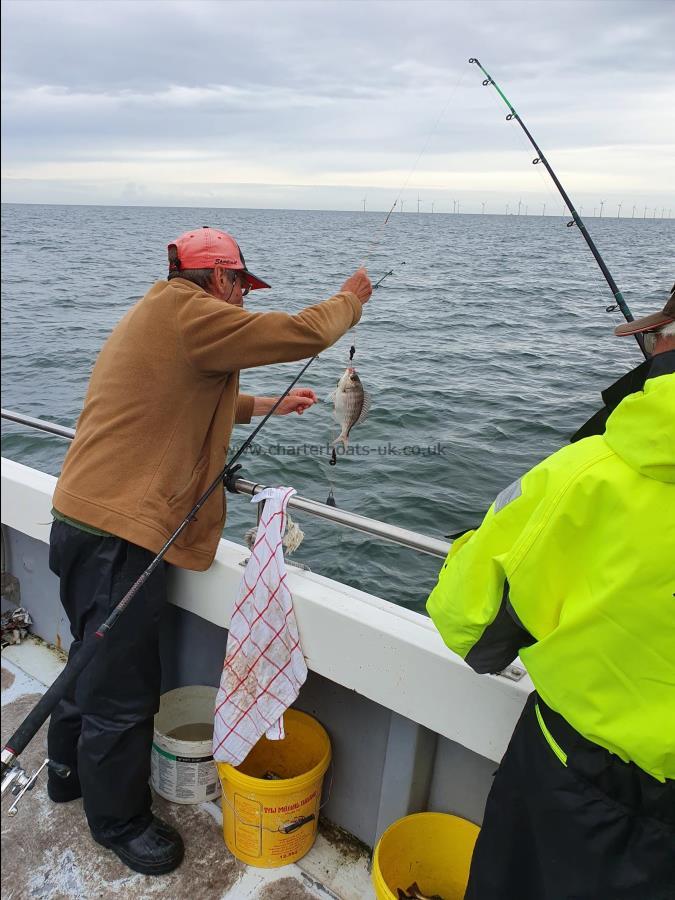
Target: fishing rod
576	218
13	775
386	275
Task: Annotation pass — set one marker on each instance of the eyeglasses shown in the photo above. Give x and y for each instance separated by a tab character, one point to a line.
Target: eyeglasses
244	286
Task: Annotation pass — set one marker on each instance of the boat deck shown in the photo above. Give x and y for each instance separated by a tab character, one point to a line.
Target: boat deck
48	853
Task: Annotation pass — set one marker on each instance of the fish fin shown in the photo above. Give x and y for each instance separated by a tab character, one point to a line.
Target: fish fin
365	409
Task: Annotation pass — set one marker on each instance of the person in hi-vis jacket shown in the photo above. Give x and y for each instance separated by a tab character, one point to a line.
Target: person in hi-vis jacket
573	570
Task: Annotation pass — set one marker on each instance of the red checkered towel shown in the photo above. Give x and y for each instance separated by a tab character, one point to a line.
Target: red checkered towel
264	666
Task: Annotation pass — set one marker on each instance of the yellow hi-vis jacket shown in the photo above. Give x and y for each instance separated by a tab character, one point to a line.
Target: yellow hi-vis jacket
580	552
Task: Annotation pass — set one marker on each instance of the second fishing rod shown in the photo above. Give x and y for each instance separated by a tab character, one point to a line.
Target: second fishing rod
576	218
32	723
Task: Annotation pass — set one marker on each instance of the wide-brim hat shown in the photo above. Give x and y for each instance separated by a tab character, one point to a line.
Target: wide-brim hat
207	248
651	322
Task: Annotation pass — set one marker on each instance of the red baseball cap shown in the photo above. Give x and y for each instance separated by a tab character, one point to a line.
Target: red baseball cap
207	248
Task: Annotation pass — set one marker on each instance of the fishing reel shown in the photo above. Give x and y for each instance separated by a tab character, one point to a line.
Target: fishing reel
16	781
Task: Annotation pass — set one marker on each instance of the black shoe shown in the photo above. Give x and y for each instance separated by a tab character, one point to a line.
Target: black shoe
157	850
63	790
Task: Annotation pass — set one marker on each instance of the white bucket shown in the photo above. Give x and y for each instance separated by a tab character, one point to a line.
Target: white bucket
182	767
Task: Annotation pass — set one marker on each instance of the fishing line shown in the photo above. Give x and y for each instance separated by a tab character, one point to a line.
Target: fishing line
377	238
375	242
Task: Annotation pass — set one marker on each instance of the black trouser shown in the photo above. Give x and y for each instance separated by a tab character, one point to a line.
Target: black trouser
596	829
103	729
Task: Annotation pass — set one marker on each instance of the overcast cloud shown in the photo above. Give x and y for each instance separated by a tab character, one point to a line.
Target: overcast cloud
320	104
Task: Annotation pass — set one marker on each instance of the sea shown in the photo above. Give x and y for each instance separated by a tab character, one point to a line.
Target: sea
483	351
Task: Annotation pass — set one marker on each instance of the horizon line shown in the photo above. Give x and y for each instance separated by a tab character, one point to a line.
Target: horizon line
412	212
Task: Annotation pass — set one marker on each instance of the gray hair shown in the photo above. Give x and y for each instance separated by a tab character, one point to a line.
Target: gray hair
201	277
650	337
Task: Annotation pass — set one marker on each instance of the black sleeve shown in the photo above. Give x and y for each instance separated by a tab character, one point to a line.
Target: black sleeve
501	641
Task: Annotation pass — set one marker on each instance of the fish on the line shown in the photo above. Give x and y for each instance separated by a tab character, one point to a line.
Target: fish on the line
351	404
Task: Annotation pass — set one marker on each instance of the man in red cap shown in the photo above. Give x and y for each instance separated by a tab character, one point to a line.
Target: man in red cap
154	433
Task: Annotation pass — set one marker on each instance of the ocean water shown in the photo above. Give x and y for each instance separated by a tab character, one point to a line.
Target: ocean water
482	353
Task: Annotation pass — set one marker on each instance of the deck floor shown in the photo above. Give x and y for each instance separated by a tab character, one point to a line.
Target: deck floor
48	853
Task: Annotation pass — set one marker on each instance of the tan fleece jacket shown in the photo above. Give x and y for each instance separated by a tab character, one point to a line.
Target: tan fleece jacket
160	407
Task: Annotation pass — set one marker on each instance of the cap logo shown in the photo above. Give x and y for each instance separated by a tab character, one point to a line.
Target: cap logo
225	261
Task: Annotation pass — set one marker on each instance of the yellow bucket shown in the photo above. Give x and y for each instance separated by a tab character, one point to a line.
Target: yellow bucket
432	849
271	801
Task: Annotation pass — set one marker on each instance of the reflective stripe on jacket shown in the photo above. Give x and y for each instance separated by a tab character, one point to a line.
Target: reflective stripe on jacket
573	568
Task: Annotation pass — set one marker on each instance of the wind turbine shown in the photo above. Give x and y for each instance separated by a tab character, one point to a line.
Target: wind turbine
483	208
520	203
418	204
364	204
543	210
633	215
618	215
602	203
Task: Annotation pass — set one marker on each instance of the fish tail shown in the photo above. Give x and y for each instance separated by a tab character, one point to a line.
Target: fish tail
343	439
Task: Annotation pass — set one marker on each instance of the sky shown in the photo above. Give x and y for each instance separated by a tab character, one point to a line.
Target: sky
339	105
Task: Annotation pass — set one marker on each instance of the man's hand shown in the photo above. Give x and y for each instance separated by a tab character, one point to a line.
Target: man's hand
359	284
297	401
